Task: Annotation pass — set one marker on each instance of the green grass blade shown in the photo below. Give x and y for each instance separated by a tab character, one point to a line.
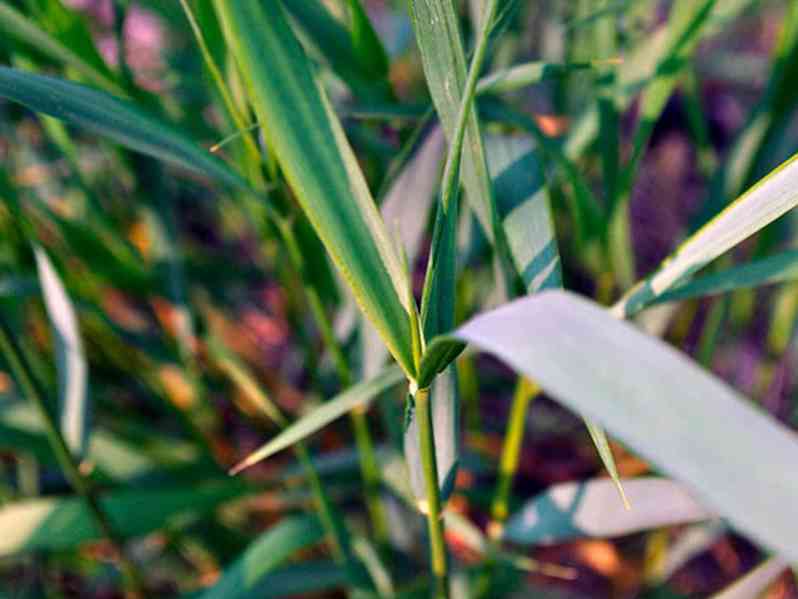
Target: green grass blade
358	397
522	200
57	523
685	26
316	159
112	117
443	57
591	509
584	206
766	123
763	203
655	400
639	67
404	209
19	28
242	578
73	393
780	268
755	582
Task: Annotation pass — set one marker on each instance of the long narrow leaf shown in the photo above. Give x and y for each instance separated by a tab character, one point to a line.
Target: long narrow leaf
358	397
773	269
443	57
70	359
344	50
310	145
523	205
18	27
766	201
112	117
592	509
654	399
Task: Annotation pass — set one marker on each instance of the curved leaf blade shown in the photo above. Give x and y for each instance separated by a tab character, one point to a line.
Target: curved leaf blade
773	269
319	165
114	118
657	401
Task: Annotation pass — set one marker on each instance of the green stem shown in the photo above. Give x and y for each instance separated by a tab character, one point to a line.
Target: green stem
525	392
433	511
80	483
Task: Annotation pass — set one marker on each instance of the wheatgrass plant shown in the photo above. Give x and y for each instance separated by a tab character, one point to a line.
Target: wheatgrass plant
395	238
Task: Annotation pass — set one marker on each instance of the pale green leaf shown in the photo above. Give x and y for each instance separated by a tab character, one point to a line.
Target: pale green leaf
655	400
73	370
591	509
523	205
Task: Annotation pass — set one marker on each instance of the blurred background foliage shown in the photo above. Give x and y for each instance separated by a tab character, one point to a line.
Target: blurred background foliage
203	332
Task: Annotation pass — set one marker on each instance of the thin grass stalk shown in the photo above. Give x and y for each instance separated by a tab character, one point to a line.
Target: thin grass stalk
525	391
438	557
81	484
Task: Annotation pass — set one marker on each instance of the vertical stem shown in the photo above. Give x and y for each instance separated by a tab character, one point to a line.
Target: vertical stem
525	392
433	507
80	483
